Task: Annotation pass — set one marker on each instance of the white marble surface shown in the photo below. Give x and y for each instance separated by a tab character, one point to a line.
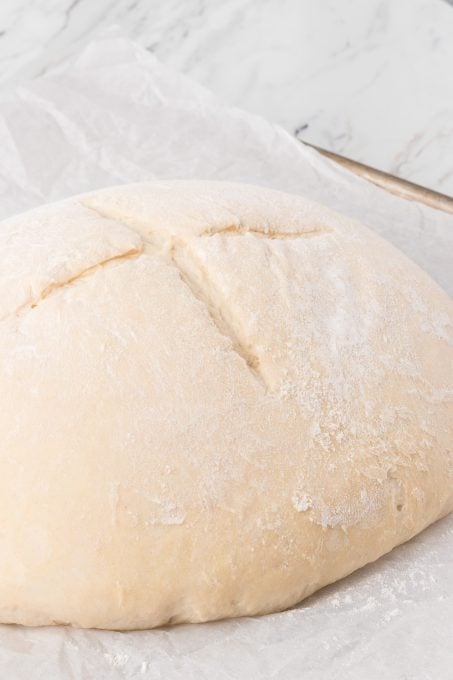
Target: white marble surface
372	80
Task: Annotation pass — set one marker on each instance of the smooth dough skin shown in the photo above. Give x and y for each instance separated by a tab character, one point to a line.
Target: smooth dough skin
215	399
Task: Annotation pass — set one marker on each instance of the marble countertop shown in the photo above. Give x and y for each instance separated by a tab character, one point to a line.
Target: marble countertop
370	80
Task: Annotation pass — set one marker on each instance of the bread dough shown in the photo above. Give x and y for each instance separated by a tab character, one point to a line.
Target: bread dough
215	399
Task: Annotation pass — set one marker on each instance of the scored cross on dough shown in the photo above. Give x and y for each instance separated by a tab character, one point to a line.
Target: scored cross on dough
173	249
217	399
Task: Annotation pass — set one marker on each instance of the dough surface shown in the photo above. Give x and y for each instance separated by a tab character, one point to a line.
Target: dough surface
215	399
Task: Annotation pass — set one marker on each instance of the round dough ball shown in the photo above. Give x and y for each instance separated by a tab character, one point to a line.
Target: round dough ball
215	399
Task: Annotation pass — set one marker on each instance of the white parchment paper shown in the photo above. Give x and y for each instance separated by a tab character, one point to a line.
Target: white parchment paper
116	115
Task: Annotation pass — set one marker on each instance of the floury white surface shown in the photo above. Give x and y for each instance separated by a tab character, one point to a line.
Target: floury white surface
259	399
371	80
119	116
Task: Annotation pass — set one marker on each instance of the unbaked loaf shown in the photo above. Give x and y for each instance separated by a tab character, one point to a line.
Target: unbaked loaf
215	399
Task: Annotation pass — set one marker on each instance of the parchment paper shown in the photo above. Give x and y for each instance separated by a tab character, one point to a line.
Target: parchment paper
116	115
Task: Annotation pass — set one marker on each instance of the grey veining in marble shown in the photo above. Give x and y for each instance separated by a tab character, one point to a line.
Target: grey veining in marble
370	80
